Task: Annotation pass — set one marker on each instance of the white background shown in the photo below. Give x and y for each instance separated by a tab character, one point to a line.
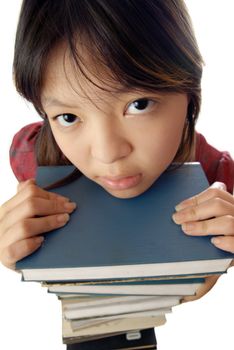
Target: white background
29	317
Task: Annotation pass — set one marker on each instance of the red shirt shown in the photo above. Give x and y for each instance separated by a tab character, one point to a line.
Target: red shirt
218	166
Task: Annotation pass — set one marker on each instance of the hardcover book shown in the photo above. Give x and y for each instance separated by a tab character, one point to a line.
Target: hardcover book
112	238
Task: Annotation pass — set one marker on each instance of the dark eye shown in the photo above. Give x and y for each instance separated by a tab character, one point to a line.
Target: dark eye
140	106
67	119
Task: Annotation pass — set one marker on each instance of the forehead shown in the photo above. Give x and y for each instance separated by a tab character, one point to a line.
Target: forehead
88	77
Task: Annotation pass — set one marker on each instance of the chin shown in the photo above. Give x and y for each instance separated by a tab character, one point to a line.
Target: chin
128	193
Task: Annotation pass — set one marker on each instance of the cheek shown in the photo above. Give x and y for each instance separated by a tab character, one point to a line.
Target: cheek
165	138
172	136
67	144
76	151
161	142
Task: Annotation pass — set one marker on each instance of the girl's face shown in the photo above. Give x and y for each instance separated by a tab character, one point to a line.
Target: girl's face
121	140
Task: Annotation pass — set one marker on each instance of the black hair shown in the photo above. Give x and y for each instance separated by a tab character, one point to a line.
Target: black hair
146	44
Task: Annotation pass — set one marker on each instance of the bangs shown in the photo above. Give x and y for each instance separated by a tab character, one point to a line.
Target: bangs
138	43
131	43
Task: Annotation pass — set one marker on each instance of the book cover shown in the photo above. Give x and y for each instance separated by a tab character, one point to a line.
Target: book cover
108	237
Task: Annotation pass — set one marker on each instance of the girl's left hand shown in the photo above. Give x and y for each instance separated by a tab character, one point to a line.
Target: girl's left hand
209	213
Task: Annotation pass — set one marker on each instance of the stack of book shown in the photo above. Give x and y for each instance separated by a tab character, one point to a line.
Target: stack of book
121	264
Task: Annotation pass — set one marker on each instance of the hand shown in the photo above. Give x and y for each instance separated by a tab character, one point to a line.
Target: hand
206	286
208	213
30	213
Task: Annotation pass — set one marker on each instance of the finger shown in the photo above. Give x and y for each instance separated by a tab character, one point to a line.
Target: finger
23	184
29	202
20	249
217	190
29	190
205	288
214	207
224	242
35	207
32	227
223	225
219	185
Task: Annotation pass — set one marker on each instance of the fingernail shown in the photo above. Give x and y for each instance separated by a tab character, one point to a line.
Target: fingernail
188	228
70	205
39	239
215	241
219	185
63	218
183	205
63	199
174	217
178	207
178	218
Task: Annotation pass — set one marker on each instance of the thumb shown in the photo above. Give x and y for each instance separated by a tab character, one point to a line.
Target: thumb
23	184
219	185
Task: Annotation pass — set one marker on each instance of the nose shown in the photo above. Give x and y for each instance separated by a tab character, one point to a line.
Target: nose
109	143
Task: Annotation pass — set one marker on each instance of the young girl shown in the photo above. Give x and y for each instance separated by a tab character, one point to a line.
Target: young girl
117	84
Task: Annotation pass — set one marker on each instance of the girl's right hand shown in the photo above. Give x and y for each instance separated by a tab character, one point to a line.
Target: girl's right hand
25	217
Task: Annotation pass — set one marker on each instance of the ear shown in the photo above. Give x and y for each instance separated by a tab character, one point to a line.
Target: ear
191	109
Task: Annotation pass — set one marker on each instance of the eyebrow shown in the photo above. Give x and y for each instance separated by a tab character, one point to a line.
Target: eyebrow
50	101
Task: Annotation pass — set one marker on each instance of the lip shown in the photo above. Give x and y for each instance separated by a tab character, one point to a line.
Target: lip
120	182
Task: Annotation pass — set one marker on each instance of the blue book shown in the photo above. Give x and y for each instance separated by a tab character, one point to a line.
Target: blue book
112	238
